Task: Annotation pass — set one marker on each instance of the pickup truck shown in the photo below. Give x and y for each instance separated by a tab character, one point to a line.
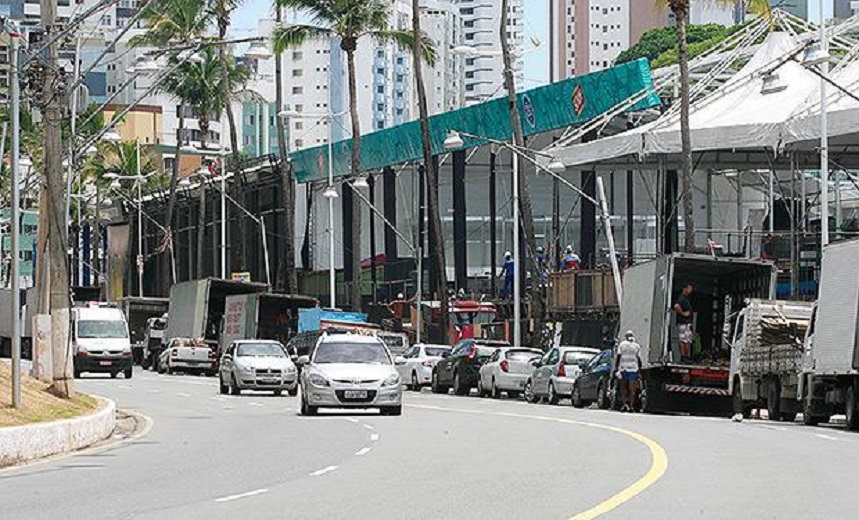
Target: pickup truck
766	357
187	355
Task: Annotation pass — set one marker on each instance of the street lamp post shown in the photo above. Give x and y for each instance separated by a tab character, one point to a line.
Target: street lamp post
15	224
416	250
329	193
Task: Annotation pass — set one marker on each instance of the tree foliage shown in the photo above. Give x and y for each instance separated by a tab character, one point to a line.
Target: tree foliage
660	45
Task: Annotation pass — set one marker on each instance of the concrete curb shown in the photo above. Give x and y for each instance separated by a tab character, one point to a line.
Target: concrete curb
34	441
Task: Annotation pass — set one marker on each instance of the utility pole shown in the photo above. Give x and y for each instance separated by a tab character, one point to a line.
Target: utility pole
53	98
15	224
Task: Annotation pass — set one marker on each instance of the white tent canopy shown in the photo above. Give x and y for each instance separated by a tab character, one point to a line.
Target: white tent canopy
738	115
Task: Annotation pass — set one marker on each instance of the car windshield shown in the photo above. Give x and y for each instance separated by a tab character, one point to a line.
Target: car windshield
260	349
102	329
436	351
580	359
337	352
522	355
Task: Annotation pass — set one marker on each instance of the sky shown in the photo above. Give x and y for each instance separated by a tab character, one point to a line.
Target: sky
536	68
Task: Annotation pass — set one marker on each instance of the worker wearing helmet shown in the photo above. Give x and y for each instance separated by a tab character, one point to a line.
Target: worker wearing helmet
507	268
571	261
543	265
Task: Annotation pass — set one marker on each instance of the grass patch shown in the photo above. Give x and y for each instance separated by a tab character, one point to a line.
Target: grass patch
39	404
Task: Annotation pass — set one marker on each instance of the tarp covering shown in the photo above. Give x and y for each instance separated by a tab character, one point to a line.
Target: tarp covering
566	103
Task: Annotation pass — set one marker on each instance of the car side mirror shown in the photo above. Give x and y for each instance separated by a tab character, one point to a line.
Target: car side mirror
399	360
294	358
302	360
535	363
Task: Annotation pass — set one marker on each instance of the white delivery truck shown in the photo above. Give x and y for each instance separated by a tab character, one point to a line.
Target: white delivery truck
830	385
766	356
650	289
99	340
261	316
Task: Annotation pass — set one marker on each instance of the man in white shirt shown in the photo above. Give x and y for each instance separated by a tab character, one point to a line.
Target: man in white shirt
627	365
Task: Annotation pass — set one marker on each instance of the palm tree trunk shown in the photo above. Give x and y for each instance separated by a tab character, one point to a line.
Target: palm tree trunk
287	276
171	201
436	237
203	122
223	26
525	210
201	230
355	170
681	14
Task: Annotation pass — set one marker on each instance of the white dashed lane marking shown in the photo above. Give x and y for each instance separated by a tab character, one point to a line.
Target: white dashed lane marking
374	437
827	437
363	451
320	472
230	498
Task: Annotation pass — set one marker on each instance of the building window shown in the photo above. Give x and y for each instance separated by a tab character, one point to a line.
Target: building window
106	20
380	70
297	73
380	89
299	125
299	143
380	107
297	55
399	78
298	90
299	108
380	125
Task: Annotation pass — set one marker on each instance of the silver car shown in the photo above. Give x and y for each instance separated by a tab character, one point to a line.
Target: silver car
507	371
257	365
350	371
554	374
417	364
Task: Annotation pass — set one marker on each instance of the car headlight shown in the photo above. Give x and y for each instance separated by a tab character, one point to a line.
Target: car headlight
317	379
290	369
392	380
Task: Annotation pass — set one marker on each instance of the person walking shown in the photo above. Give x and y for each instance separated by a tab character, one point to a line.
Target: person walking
628	367
683	311
507	268
543	266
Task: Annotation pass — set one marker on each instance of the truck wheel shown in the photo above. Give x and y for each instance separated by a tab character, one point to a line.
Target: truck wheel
774	400
740	407
850	408
113	375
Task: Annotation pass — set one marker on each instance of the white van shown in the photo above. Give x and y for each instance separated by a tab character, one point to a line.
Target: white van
99	341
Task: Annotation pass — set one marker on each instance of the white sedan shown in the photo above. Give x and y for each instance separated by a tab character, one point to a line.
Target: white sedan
415	367
507	371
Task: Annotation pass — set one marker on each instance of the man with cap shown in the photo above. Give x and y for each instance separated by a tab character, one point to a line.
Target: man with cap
571	261
627	366
507	268
542	265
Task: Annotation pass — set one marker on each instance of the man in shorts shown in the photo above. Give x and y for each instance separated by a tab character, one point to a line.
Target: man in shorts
628	365
683	311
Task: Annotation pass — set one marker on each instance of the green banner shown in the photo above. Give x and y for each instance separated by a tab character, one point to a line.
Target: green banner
571	102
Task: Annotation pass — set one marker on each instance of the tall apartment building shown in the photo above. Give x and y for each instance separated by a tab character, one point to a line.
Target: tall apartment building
445	82
587	35
481	21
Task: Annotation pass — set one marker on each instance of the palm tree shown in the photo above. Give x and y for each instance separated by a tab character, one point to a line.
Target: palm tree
173	22
680	10
436	238
348	20
526	214
222	9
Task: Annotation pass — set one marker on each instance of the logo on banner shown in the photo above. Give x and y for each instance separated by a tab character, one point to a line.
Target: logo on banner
528	108
579	100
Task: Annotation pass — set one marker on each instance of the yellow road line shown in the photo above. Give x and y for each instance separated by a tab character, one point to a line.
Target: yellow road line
658	457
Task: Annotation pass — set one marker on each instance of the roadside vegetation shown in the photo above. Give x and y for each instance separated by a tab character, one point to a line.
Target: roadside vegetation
39	404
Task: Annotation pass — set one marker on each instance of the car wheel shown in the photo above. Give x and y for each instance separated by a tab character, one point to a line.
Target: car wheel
529	393
577	397
774	400
392	410
553	396
850	408
234	386
306	409
416	387
128	373
434	386
459	387
224	389
602	396
293	392
481	391
496	392
159	366
113	375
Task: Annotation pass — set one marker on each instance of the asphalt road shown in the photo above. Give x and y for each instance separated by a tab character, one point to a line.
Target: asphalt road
252	456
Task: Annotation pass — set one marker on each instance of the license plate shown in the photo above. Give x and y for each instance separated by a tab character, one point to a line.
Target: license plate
105	363
270	379
355	394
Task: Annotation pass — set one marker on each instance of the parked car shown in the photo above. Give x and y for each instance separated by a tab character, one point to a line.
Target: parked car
257	365
418	362
595	384
507	371
187	355
461	368
350	371
553	375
